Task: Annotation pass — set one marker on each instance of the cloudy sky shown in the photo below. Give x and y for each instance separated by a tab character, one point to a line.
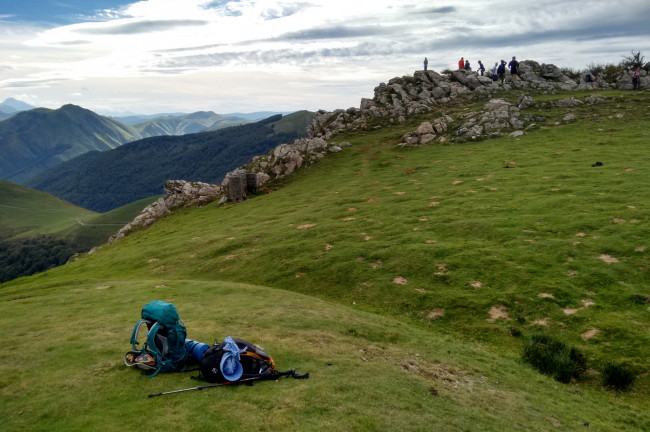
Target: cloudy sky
153	56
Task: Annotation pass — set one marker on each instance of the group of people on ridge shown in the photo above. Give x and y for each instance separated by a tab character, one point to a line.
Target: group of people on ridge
498	72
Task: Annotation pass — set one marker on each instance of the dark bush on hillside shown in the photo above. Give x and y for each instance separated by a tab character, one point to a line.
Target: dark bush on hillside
618	376
552	357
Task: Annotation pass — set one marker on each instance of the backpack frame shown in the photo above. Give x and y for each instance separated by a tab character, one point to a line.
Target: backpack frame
164	342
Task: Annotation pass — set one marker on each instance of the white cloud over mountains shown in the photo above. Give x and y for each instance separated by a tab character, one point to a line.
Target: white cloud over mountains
225	55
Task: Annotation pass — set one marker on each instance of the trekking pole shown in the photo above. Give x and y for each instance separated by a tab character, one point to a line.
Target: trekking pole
291	373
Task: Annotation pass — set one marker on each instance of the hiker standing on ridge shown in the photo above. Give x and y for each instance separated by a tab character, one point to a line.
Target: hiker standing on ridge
501	71
467	66
513	65
426	63
636	78
494	71
461	63
481	68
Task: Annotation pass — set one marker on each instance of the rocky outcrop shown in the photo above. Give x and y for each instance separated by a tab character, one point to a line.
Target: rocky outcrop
178	193
428	132
401	98
393	102
287	158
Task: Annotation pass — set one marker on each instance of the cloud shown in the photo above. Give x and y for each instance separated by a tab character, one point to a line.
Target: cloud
341	32
438	10
285	10
307	45
140	26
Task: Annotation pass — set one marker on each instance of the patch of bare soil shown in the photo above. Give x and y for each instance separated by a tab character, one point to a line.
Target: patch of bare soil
436	313
589	334
442	269
449	377
541	322
306	226
608	259
399	280
545	295
569	311
498	312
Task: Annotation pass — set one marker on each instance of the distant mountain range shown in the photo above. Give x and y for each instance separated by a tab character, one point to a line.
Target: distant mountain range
104	180
33	140
186	123
11	106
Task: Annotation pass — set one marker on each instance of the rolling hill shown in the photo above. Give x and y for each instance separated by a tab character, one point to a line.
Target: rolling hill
101	181
35	140
405	279
32	140
39	231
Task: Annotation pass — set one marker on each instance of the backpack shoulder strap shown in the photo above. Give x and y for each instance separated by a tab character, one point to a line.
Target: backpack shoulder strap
150	346
136	330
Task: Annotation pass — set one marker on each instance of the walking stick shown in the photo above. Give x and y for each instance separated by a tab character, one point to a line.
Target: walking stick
291	373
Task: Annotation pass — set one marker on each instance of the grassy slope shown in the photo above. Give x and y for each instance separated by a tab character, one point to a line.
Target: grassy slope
355	223
30	212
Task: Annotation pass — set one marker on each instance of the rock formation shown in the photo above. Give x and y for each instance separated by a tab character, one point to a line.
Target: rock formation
178	193
393	102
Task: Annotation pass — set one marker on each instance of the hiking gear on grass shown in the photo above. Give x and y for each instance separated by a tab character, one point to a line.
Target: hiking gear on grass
196	349
235	359
271	376
229	365
164	348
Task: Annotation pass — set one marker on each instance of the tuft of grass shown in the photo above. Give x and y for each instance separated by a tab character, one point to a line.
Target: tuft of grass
619	376
555	358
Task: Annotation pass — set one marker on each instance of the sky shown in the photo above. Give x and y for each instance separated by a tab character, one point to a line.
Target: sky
159	56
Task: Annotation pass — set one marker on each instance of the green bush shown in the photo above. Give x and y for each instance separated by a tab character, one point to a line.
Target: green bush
552	357
619	376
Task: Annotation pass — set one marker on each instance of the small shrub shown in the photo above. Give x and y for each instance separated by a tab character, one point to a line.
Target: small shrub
618	376
552	357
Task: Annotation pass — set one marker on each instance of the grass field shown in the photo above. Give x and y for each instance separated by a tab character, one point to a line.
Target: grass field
404	280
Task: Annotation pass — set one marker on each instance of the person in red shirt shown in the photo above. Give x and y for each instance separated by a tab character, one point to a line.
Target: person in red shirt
461	63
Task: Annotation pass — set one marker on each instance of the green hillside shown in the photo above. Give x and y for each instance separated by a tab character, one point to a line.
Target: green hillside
39	231
107	180
28	212
33	141
405	280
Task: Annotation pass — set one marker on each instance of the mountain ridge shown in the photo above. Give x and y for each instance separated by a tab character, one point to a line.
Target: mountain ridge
139	169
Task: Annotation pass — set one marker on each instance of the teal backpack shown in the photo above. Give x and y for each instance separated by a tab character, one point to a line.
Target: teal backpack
163	348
